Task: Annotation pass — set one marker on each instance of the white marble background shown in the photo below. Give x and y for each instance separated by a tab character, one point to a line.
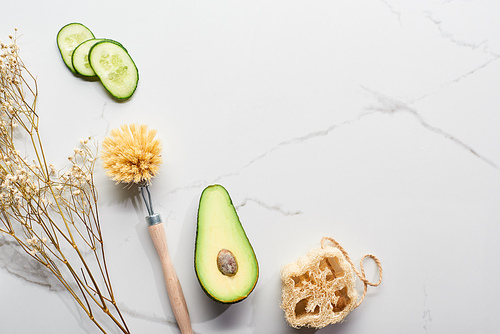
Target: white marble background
373	122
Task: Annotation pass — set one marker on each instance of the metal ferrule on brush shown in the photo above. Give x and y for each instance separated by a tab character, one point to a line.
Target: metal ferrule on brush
152	218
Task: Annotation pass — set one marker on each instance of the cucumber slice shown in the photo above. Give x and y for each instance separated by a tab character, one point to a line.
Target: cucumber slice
68	38
115	68
80	58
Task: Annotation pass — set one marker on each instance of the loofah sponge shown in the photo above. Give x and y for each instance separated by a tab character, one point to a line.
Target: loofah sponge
319	289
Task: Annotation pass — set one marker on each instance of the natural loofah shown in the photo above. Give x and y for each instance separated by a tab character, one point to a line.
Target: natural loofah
319	289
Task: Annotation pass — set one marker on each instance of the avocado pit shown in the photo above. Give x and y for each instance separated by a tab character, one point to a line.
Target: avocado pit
226	262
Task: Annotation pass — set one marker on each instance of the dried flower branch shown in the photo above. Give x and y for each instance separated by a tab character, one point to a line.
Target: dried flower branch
52	215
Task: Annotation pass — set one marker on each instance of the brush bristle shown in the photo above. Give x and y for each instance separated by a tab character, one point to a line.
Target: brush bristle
131	154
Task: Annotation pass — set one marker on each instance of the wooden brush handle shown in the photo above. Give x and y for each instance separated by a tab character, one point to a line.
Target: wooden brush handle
174	288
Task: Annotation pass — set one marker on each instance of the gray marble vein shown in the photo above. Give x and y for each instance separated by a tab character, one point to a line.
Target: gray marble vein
389	105
277	208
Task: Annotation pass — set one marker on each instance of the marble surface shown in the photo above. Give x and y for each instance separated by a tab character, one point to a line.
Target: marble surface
373	122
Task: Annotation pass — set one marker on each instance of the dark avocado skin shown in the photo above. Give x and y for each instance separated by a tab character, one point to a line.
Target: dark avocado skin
196	246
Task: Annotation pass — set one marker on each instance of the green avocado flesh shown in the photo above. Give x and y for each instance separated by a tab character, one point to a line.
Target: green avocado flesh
219	228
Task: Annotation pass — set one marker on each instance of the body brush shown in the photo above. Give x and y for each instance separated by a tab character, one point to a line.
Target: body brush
132	155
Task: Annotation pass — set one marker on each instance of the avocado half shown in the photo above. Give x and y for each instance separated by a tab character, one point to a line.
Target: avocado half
225	263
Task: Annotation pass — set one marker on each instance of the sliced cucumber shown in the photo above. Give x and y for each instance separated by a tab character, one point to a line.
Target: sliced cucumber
68	38
80	58
115	68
